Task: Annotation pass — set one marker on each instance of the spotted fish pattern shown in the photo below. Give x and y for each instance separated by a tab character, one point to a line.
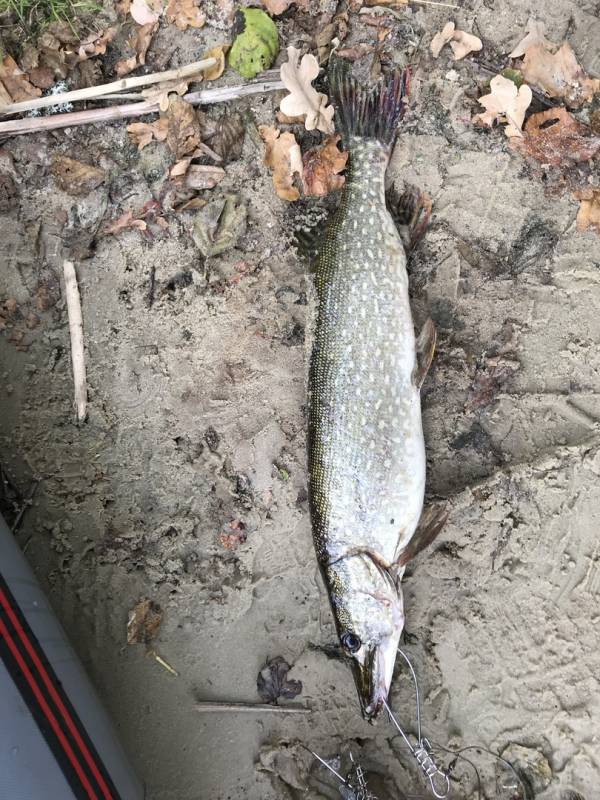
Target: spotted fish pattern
365	439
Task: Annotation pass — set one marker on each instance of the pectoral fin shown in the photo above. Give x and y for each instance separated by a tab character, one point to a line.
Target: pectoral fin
431	523
425	347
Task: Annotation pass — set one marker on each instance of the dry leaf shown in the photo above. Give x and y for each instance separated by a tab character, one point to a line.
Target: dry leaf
228	138
142	133
359	50
219	225
142	13
139	42
190	205
42	77
588	215
321	168
535	35
185	14
238	535
462	43
95	44
273	682
126	220
143	623
556	138
277	7
14	84
202	176
559	74
161	91
304	100
283	156
505	103
183	131
442	38
74	177
219	53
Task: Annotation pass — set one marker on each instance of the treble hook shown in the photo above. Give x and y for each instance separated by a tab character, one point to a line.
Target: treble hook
435	774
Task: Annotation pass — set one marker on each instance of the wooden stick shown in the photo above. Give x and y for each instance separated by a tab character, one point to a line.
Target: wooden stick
95	115
250	708
76	331
92	92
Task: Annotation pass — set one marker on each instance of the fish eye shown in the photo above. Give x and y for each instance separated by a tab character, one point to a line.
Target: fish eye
350	642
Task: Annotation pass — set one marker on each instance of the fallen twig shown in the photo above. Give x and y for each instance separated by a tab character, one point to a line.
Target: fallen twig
251	708
93	92
96	115
76	331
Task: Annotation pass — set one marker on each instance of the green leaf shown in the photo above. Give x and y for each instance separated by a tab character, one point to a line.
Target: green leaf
257	42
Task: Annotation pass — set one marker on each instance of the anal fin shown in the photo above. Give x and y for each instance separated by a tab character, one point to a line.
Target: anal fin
425	349
411	211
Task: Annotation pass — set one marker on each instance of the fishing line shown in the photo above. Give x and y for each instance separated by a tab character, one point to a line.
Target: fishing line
354	787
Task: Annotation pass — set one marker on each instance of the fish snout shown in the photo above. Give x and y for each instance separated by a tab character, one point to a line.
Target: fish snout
373	678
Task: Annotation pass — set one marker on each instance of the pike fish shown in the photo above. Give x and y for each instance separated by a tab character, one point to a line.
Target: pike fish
365	438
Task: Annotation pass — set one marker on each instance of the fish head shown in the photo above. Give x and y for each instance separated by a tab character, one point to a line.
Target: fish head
368	608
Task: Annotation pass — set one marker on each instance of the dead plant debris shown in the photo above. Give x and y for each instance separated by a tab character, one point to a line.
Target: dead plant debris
273	682
144	621
303	99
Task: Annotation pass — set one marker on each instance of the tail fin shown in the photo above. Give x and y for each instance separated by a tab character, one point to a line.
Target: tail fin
368	112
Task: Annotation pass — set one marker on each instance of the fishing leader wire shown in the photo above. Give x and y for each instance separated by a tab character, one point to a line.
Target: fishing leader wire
354	786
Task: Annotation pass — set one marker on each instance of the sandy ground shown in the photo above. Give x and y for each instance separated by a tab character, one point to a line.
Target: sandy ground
196	419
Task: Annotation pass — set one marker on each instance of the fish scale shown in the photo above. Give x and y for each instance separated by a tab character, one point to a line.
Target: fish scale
365	439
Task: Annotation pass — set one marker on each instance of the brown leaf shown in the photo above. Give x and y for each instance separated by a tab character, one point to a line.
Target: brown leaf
283	156
219	53
303	99
237	536
96	44
228	139
535	35
462	43
126	220
190	205
183	132
139	41
75	177
356	52
144	12
42	77
588	215
161	91
277	7
505	103
556	138
321	168
185	14
559	74
142	133
273	682
202	176
14	84
143	623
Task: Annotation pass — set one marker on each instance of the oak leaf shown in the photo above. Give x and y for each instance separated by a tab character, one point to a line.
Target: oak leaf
461	42
144	12
183	129
559	74
556	138
505	103
218	53
142	133
535	35
588	215
277	7
304	100
321	168
283	156
185	14
75	177
139	41
14	84
219	225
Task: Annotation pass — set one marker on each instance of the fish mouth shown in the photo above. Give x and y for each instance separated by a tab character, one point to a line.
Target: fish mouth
373	678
